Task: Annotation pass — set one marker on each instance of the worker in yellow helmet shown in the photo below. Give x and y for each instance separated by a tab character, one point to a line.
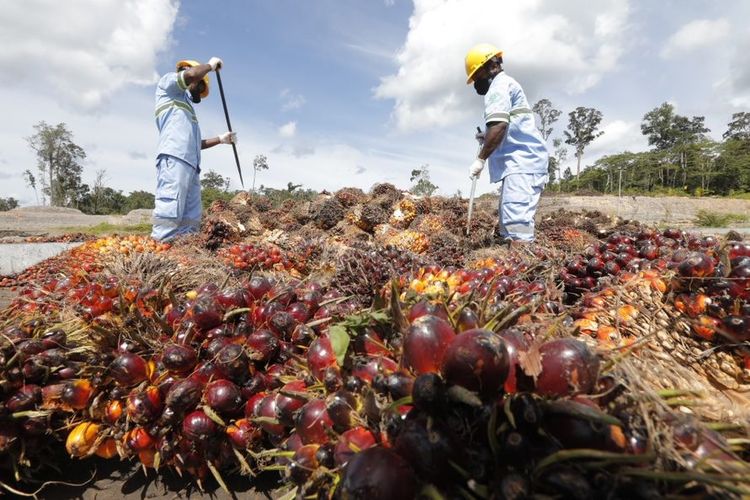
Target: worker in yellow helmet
177	207
512	144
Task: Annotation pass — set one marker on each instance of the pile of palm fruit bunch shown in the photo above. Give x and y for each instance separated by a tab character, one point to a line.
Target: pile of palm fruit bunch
359	346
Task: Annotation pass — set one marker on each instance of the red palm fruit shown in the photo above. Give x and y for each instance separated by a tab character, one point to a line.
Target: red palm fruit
692	304
138	439
303	463
697	265
400	384
478	361
179	358
313	422
426	307
129	369
735	328
370	343
320	356
595	266
374	366
232	362
77	393
198	426
263	345
224	396
233	298
425	343
302	335
467	320
243	433
146	405
268	412
299	311
649	252
273	376
282	324
673	233
255	384
258	286
705	327
340	406
54	339
204	372
113	411
251	407
568	367
311	298
184	395
292	396
261	315
612	268
175	313
352	442
25	398
515	343
738	249
205	314
378	473
574	432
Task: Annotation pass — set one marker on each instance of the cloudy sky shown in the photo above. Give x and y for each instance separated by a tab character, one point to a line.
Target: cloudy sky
352	93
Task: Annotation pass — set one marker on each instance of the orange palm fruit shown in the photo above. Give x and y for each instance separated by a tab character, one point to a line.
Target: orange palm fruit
82	438
107	449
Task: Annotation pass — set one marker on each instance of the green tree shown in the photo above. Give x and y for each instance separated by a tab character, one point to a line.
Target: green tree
583	124
8	204
214	180
139	199
556	159
259	163
739	127
666	129
421	179
30	180
547	114
59	162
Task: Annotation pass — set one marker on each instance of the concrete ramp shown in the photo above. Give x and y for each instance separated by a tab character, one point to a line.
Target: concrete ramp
15	257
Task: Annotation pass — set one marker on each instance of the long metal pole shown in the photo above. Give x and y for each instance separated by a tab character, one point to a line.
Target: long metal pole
473	188
229	125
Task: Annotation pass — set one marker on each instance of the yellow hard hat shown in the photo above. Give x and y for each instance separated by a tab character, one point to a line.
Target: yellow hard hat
191	63
477	56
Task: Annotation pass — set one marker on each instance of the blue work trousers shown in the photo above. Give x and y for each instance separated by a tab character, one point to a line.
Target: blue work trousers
518	202
177	207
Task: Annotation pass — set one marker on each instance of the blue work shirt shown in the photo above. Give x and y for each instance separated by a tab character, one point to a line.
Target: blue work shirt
179	133
523	151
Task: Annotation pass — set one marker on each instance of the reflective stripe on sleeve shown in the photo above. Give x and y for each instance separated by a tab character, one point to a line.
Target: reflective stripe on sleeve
497	117
181	80
520	111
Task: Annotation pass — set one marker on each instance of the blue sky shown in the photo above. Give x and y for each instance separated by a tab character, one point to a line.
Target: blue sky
354	92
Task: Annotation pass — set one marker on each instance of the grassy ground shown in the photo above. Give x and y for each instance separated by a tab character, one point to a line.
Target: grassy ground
705	218
105	228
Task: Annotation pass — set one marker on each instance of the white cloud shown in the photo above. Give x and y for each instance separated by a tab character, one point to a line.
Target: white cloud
696	35
288	129
291	101
83	53
544	42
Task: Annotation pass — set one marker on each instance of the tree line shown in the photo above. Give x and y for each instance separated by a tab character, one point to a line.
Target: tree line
682	159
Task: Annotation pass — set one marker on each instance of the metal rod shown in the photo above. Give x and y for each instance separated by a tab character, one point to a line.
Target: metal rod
229	125
473	188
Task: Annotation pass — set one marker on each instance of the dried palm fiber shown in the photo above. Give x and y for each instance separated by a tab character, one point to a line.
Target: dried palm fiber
637	318
185	267
658	410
